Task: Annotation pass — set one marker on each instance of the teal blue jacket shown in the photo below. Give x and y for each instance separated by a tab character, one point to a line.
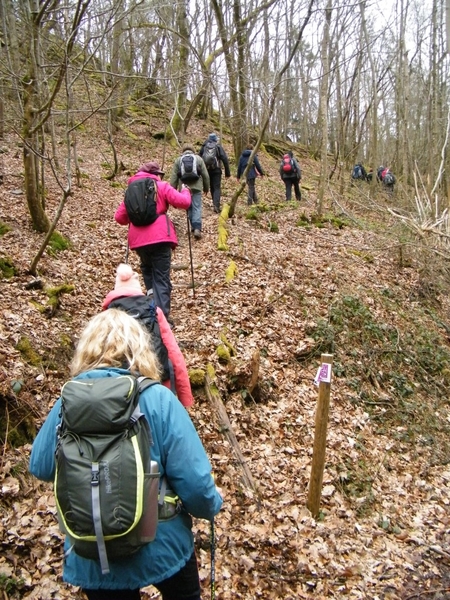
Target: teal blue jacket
182	459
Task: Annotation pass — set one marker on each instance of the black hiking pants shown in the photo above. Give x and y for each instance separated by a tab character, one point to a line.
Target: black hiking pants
252	196
215	183
296	183
184	585
155	266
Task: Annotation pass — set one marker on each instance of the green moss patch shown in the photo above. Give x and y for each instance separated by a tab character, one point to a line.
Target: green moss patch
197	377
7	268
4	228
223	354
27	352
58	243
54	296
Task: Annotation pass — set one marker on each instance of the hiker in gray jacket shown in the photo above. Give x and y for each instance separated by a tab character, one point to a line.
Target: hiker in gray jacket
196	182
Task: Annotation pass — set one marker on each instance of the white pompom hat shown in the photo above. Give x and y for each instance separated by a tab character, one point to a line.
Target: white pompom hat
127	284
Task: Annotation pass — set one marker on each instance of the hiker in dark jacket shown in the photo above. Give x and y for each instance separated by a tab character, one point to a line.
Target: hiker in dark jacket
196	186
114	344
387	178
379	172
291	178
127	295
359	172
254	171
215	170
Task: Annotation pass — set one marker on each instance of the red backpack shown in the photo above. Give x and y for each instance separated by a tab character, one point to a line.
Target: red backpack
287	165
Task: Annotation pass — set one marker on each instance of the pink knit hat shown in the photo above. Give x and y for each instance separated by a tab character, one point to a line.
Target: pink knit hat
127	284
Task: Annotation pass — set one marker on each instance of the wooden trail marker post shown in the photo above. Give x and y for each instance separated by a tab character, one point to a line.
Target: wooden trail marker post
323	378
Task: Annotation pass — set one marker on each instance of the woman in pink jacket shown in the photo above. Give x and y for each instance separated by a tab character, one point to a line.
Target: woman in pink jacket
128	296
154	243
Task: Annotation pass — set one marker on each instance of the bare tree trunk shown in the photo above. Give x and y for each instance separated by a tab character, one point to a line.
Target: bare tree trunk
177	121
432	102
115	66
374	106
271	106
232	72
402	98
323	120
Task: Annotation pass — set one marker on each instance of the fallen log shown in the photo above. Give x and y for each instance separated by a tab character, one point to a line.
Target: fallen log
225	426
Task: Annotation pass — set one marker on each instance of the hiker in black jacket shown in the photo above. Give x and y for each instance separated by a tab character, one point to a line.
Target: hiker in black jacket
254	171
214	156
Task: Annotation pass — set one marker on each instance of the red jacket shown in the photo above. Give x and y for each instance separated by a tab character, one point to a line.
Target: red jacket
162	230
181	375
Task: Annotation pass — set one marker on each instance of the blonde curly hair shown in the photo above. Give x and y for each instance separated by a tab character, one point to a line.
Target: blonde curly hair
115	339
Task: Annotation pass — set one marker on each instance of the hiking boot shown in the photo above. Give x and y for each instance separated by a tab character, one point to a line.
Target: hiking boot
217	209
197	234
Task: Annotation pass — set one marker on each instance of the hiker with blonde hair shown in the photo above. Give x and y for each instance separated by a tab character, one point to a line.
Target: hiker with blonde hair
115	345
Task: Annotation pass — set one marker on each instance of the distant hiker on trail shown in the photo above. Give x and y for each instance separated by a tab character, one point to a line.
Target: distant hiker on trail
127	295
155	241
291	175
189	169
112	346
386	177
254	171
359	172
213	156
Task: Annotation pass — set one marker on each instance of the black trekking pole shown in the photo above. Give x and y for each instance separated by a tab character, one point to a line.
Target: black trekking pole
128	247
190	254
213	561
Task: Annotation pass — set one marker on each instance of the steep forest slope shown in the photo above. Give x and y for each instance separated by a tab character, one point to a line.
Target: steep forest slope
302	286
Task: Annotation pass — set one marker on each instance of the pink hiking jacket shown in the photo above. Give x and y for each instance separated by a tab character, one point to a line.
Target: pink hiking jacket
162	230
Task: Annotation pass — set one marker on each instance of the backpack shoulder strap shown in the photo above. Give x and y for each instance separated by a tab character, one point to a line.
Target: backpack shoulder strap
145	382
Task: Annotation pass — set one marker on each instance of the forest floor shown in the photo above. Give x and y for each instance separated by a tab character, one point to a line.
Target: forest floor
384	525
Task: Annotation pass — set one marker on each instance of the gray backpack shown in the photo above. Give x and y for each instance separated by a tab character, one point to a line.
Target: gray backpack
106	486
210	151
189	168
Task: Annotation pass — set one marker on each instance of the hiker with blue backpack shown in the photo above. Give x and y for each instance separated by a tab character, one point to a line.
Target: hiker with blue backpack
359	172
189	169
214	156
91	446
127	295
291	175
151	233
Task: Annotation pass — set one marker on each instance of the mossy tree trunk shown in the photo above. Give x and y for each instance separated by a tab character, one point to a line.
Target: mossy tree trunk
33	191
